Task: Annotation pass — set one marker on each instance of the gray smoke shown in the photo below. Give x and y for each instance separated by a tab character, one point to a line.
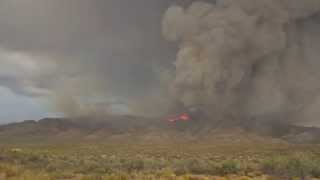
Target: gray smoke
236	58
248	58
83	57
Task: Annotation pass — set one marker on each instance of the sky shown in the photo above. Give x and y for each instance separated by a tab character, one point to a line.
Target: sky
15	107
52	50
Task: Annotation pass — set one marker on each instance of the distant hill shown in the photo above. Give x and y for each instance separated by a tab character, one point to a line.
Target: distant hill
62	128
131	126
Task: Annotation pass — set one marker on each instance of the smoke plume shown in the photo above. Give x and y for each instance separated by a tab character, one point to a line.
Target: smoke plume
247	59
236	59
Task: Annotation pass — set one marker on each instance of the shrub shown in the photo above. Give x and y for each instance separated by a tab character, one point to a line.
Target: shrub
274	165
316	168
230	167
299	166
133	165
296	165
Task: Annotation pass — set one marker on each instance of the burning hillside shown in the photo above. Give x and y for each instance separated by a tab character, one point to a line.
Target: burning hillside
245	60
219	63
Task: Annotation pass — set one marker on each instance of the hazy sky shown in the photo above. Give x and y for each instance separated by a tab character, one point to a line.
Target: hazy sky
49	45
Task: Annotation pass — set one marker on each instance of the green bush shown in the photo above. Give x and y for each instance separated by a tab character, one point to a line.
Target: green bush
296	165
133	165
275	165
316	168
230	167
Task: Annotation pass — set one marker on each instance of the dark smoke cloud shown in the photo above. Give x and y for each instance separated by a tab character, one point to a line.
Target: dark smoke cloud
247	58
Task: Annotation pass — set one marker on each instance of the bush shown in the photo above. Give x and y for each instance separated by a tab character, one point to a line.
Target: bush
296	165
316	168
230	167
133	165
275	165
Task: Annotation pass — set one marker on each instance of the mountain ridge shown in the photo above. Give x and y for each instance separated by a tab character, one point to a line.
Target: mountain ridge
131	126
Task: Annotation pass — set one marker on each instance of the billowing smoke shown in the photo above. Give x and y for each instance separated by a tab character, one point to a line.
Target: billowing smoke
245	59
236	59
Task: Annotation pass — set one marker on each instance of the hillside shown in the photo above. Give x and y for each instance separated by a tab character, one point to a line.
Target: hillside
63	129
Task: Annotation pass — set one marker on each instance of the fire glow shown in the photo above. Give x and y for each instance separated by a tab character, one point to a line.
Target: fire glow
182	117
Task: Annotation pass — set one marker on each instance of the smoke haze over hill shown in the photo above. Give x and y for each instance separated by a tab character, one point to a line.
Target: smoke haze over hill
83	54
241	59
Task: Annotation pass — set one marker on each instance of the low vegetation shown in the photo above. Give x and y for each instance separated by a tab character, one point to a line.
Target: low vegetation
300	165
150	161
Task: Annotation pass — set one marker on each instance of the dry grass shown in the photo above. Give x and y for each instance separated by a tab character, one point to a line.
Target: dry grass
123	159
221	157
